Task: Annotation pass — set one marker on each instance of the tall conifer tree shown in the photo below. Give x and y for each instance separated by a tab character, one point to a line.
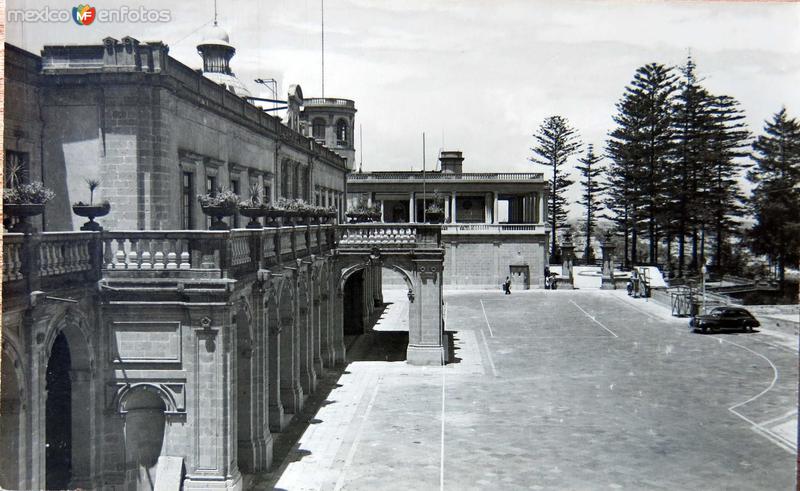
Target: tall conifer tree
556	141
590	199
776	196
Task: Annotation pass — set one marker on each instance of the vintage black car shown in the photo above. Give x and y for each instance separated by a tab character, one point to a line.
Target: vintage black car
725	318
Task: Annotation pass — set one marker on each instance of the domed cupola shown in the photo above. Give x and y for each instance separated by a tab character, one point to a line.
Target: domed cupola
216	51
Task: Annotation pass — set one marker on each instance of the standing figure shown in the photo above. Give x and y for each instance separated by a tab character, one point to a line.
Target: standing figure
507	286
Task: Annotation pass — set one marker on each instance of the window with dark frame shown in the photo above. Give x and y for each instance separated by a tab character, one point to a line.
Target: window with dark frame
187	201
318	128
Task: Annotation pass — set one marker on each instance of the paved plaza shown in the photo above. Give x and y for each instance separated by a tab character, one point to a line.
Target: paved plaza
553	390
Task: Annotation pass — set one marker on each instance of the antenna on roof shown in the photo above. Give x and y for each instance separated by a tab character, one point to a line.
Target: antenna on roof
361	148
322	13
215	12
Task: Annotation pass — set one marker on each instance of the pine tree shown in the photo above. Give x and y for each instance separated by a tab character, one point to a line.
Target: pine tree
776	196
590	199
641	148
728	137
556	142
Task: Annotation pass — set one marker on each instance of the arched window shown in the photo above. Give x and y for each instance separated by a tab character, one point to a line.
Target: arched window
341	132
318	129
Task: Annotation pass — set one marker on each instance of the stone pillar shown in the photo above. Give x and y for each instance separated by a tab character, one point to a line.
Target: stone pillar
339	355
412	209
608	263
453	209
326	334
277	420
425	345
291	391
214	447
316	324
567	258
308	378
494	207
542	208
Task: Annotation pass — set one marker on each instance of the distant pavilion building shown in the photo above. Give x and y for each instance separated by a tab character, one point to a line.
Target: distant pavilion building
494	224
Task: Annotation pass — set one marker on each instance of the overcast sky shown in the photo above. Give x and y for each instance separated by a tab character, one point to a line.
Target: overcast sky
476	75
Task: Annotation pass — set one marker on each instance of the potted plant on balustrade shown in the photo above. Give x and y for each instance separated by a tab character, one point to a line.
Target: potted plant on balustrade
330	213
434	212
253	207
22	201
219	205
361	212
91	210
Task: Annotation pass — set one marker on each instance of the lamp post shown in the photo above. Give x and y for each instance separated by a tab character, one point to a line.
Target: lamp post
704	270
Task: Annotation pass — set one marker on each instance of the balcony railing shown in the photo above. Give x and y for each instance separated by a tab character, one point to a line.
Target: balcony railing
493	228
388	235
54	259
328	101
442	176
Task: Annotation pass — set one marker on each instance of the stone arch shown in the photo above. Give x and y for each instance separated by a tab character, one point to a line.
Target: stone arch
13	409
348	271
69	365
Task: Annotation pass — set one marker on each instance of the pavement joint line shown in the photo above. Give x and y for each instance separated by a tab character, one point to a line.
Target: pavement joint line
774	438
491	333
593	319
791	413
351	453
488	353
441	450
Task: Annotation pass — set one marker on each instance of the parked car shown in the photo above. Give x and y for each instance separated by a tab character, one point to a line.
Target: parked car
725	318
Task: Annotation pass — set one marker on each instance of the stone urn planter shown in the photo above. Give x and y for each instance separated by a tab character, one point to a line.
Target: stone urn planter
91	212
217	213
435	216
253	213
22	211
274	218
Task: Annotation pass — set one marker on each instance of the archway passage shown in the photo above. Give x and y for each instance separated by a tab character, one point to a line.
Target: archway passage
353	304
10	431
58	416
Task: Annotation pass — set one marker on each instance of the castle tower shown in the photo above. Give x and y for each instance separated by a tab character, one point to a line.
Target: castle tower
331	122
216	51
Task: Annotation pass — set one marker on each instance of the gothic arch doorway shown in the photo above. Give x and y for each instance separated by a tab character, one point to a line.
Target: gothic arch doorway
69	408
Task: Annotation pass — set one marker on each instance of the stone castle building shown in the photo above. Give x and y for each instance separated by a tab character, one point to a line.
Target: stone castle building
156	353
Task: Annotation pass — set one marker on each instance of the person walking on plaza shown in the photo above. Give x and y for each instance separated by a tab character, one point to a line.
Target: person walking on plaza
507	286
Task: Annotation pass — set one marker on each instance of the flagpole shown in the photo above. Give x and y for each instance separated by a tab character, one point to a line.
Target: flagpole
424	205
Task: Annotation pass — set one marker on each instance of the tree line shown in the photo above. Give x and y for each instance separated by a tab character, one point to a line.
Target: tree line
668	179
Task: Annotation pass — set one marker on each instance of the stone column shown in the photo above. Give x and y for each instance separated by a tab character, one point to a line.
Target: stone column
339	355
494	208
453	210
277	421
425	345
608	263
412	208
316	324
212	408
542	208
291	391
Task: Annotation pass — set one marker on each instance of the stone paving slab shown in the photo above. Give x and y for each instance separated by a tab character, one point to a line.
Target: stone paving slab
561	390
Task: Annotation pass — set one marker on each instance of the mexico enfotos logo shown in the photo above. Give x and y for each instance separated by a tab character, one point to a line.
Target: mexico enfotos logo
85	14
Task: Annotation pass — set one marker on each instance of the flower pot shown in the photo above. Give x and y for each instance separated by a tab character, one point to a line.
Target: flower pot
91	212
217	213
253	213
435	216
22	211
274	218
